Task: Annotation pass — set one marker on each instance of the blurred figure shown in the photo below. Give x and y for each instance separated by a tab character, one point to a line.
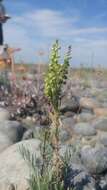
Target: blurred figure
2	20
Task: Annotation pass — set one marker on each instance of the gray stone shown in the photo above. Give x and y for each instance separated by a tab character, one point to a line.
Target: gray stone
100	112
69	114
37	130
69	104
85	117
103	138
34	132
64	135
28	134
84	129
68	123
4	114
12	129
13	168
78	178
72	151
86	110
103	183
88	103
101	124
5	142
94	159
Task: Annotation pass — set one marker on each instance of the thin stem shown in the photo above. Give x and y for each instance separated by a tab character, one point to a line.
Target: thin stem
44	154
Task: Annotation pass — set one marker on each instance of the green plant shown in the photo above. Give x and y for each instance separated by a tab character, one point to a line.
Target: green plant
56	75
45	180
40	178
48	176
54	80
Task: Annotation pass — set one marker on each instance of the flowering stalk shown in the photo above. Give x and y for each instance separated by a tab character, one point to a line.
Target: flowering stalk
54	80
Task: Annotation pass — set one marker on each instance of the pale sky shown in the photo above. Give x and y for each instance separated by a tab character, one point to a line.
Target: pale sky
35	25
